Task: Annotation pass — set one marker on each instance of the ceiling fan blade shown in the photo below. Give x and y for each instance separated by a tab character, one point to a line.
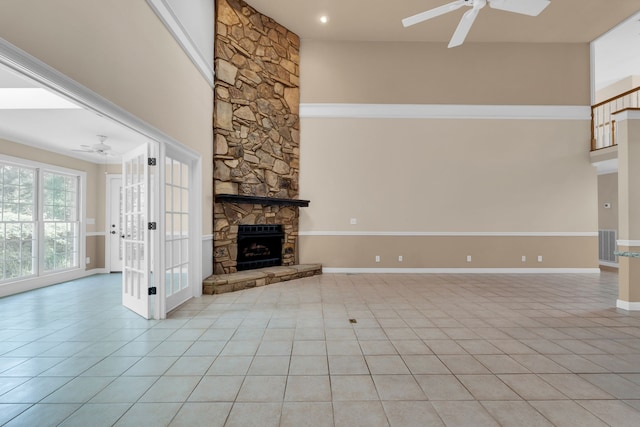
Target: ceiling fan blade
528	7
463	27
101	147
432	13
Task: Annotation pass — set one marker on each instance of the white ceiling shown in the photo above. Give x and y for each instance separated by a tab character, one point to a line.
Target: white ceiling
563	21
617	53
62	130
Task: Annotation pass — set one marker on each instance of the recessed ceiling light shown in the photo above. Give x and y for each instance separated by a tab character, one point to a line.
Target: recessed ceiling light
324	19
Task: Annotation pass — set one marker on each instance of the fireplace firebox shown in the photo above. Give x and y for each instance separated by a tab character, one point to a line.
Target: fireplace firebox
259	246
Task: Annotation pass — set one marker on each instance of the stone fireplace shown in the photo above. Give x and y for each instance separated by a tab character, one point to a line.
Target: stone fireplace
256	131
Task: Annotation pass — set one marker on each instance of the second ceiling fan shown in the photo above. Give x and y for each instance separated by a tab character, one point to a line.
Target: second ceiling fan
525	7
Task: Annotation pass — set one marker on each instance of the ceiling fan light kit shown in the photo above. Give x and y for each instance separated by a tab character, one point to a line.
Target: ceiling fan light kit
99	148
523	7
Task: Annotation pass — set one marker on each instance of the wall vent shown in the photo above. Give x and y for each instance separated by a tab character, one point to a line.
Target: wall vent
607	245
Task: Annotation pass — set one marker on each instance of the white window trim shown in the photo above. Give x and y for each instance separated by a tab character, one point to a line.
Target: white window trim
82	185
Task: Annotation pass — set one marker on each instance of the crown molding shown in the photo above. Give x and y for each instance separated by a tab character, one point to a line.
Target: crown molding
180	34
444	111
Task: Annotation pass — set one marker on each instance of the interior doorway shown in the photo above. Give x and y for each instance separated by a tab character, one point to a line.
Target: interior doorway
136	218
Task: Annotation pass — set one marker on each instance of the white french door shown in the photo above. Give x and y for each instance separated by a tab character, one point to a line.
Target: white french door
138	281
177	224
160	229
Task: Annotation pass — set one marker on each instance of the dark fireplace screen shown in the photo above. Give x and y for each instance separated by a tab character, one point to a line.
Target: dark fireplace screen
259	246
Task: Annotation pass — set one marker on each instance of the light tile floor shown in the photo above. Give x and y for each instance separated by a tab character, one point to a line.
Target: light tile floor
427	350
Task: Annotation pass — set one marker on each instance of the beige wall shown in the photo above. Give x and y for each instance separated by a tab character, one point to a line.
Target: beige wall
629	215
608	193
629	176
121	50
429	73
450	251
617	88
629	272
447	175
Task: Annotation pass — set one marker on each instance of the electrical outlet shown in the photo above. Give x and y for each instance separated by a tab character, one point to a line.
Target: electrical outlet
524	258
87	260
377	258
468	258
354	221
539	258
400	258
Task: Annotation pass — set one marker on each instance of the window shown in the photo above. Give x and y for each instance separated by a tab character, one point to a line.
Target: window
40	229
60	221
17	222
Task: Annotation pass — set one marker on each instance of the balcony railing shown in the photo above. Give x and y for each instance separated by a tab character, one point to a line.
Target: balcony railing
603	127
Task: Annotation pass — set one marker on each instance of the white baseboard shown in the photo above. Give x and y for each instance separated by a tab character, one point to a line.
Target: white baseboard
32	283
453	233
628	306
609	264
464	270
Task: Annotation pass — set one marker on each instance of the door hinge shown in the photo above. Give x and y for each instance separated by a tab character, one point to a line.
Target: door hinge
153	290
151	161
152	226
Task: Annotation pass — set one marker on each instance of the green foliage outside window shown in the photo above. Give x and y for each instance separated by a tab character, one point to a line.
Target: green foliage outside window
19	221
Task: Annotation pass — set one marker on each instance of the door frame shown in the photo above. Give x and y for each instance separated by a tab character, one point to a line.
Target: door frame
107	219
21	62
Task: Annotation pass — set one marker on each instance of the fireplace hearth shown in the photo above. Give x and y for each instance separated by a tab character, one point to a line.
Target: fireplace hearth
259	246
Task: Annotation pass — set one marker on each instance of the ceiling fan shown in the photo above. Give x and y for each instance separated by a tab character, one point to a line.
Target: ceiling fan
525	7
100	148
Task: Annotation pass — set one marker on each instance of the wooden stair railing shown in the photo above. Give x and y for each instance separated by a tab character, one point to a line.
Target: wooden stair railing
603	127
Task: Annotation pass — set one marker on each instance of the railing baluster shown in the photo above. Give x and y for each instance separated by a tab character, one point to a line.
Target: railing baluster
600	124
602	116
602	142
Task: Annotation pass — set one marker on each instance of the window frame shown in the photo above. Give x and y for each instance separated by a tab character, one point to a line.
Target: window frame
39	238
20	223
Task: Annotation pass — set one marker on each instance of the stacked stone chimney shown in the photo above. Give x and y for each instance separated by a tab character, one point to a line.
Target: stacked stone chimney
256	127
